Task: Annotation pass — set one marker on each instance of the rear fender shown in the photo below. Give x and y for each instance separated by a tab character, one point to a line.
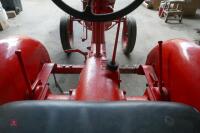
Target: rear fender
181	70
12	83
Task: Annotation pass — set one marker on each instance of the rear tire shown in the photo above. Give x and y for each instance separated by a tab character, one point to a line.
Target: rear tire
129	34
66	32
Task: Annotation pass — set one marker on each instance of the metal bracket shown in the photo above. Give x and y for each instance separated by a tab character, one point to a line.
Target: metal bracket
77	51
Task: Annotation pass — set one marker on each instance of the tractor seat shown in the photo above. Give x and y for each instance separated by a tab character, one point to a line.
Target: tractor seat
91	117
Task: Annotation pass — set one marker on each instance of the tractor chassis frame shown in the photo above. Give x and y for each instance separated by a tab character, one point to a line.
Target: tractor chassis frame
40	87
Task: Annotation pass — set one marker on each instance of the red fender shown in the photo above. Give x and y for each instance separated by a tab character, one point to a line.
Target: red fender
12	83
181	70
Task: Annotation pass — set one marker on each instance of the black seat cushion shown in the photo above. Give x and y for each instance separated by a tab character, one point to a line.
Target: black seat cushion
84	117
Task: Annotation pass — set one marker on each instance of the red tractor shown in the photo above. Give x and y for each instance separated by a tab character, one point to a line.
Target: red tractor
170	104
98	29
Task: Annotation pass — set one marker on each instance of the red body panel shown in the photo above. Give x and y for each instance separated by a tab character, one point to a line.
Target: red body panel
96	83
100	7
181	73
12	83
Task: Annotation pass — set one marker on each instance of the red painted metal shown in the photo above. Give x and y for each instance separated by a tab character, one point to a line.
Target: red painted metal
116	42
24	72
30	71
12	83
77	51
107	82
161	66
98	7
96	83
40	86
98	37
180	70
67	69
153	92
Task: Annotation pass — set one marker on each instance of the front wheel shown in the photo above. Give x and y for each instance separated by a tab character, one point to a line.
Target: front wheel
129	34
66	32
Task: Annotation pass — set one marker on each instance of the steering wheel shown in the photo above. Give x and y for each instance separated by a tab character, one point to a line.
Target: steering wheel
88	15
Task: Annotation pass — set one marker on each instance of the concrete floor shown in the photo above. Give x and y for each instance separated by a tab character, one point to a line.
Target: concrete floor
40	20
